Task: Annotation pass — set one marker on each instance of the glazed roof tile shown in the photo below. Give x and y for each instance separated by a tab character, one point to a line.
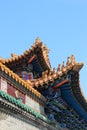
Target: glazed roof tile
46	77
51	76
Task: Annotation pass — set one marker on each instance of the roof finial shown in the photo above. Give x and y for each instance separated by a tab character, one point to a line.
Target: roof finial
63	68
68	61
37	40
13	55
73	59
58	69
62	65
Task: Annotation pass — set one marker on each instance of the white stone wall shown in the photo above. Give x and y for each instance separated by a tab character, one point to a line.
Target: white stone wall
35	105
3	85
8	122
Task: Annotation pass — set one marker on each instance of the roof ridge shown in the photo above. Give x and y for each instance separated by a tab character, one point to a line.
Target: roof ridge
39	44
52	75
16	57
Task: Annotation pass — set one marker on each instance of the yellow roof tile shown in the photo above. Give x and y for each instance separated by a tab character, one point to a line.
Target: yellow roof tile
46	78
37	44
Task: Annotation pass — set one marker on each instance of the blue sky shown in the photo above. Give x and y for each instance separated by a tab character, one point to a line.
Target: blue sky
60	24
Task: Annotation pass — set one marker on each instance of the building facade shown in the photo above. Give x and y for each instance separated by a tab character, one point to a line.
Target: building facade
34	96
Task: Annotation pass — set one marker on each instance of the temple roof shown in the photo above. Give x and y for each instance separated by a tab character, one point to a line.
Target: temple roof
38	50
51	76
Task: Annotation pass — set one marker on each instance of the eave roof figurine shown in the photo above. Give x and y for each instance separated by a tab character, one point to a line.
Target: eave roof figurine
39	96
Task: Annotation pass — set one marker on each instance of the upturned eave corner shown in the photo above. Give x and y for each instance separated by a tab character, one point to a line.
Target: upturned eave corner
78	66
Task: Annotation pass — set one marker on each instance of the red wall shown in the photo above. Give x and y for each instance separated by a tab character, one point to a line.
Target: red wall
11	91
